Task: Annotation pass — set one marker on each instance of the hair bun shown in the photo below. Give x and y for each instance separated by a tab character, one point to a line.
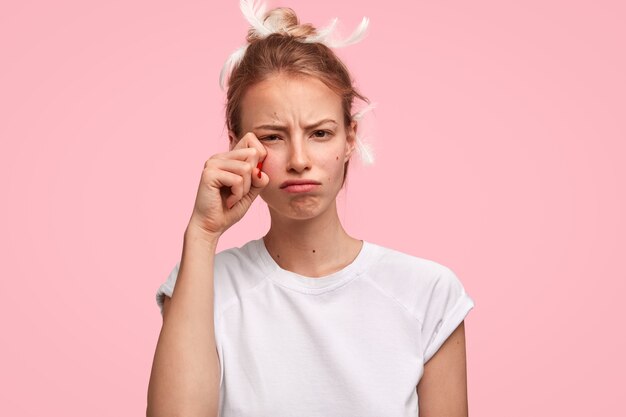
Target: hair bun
285	21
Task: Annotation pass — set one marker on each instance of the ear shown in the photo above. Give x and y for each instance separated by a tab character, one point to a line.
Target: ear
350	140
232	140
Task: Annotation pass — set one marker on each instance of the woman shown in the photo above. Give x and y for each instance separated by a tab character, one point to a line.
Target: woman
308	320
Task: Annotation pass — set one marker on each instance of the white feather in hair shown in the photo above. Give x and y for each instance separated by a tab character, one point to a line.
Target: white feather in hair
255	15
323	33
358	34
233	60
359	115
364	149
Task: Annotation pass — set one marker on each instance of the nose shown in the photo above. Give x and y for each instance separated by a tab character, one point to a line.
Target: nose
298	159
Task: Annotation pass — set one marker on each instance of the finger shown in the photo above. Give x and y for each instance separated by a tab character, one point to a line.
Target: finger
242	154
250	155
232	181
241	168
259	177
258	183
249	140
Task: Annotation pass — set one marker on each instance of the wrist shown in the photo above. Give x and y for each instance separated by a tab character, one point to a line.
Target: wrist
194	233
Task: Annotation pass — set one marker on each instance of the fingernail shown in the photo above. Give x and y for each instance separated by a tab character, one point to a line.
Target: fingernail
259	166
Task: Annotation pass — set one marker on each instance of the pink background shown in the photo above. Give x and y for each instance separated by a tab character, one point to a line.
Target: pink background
500	137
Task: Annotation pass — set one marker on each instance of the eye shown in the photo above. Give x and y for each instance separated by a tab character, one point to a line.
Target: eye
323	132
270	138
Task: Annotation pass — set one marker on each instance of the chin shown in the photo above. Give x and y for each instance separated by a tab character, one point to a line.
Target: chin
301	208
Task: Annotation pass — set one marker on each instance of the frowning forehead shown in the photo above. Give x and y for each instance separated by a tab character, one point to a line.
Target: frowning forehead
281	102
283	127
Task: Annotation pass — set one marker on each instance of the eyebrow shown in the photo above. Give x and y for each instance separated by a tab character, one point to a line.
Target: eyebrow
285	128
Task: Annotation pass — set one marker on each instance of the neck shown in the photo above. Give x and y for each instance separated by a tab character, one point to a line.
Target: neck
312	247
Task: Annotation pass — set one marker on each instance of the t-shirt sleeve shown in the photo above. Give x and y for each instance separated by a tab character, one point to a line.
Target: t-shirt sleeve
167	288
446	308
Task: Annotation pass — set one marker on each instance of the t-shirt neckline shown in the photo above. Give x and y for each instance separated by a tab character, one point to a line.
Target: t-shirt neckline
314	285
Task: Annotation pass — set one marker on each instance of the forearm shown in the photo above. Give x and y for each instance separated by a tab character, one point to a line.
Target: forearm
185	373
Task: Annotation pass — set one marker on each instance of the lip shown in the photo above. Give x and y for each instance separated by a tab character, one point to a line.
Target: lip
299	186
298	182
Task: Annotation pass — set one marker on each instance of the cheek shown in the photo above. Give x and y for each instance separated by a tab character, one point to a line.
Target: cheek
333	167
270	163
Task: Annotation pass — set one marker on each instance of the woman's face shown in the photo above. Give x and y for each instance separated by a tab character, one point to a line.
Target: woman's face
300	123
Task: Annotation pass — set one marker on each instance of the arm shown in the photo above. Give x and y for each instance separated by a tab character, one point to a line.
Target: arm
442	390
185	372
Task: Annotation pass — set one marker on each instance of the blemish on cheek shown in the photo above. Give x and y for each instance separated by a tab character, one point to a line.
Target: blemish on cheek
313	250
337	158
277	255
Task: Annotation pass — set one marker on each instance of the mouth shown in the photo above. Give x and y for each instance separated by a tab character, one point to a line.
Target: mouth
292	183
299	186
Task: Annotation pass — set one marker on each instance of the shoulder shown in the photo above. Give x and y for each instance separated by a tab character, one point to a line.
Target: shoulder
237	271
394	264
412	280
239	257
243	263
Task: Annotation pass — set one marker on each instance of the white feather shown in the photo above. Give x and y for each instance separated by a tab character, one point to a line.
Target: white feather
356	36
365	151
232	60
359	115
255	14
323	33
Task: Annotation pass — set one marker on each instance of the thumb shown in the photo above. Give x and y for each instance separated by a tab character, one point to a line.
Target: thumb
258	184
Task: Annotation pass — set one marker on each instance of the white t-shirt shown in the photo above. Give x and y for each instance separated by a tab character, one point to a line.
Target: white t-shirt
352	343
